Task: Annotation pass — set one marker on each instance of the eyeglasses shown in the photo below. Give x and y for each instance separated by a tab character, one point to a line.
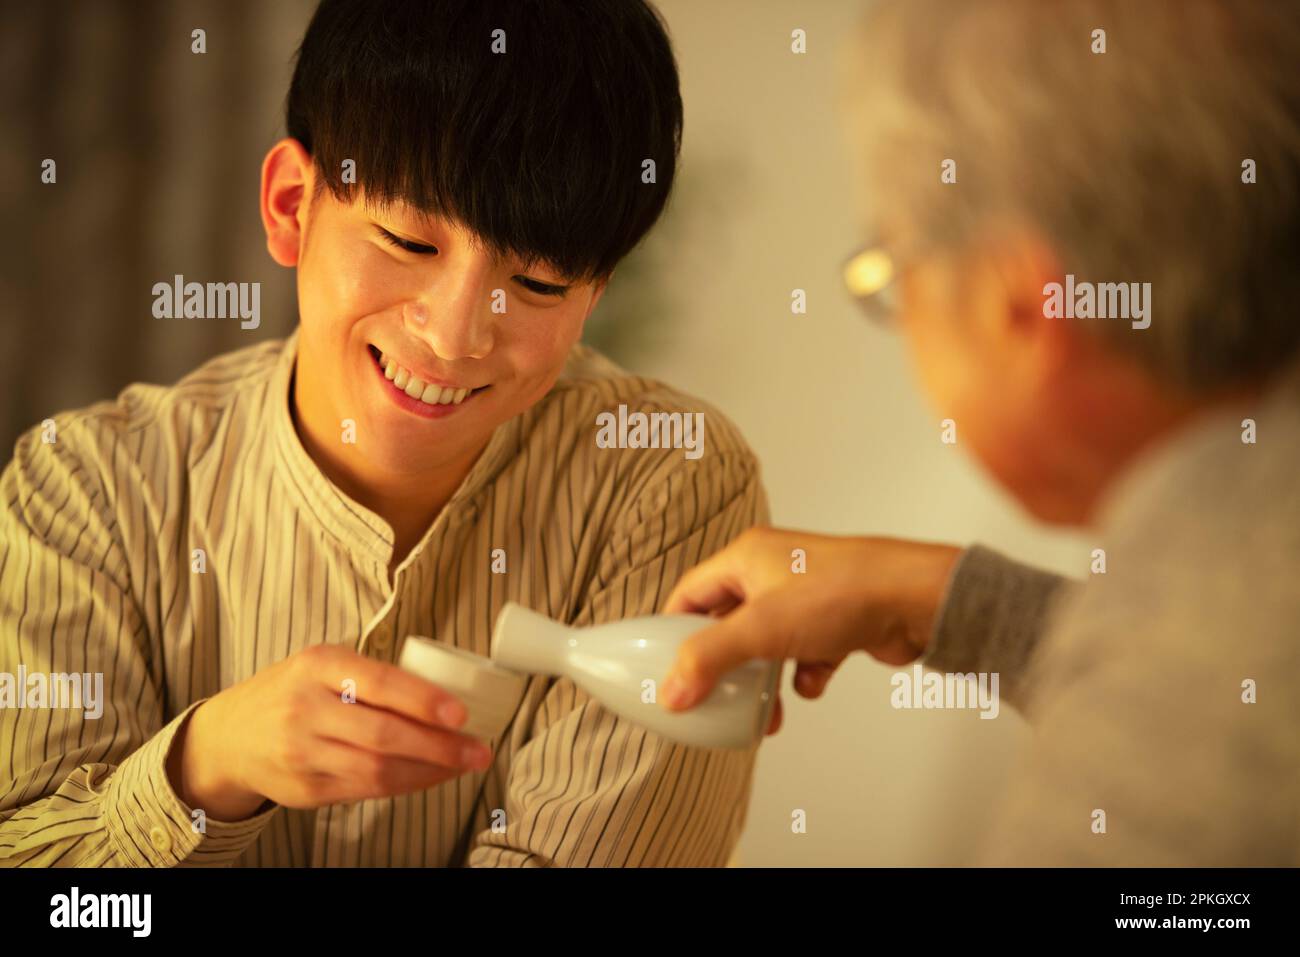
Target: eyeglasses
871	277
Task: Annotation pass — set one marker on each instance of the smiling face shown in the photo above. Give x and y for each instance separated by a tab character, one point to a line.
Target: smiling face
412	329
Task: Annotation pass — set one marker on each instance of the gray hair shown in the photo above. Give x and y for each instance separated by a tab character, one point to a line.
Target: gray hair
1128	162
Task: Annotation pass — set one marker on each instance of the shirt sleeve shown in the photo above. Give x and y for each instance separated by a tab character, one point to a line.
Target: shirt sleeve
84	737
593	789
993	614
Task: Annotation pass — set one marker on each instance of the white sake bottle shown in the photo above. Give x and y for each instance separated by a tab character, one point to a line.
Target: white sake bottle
615	663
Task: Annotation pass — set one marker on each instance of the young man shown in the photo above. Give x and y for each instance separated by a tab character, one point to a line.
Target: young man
240	553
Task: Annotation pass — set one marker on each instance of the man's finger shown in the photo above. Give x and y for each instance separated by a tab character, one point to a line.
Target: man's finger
382	685
356	774
708	585
710	653
811	680
381	731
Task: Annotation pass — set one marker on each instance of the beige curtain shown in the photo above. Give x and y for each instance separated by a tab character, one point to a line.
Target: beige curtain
157	151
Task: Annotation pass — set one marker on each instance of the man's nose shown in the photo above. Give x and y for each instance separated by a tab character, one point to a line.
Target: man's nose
453	316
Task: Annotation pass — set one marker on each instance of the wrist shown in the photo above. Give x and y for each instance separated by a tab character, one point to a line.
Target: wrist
202	776
930	587
904	588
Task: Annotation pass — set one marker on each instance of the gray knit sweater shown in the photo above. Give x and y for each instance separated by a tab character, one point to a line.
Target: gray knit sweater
1137	683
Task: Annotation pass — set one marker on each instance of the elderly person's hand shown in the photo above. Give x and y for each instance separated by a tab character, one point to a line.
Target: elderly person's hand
786	594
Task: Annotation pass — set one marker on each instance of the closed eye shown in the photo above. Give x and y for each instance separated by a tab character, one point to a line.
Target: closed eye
532	285
410	247
541	288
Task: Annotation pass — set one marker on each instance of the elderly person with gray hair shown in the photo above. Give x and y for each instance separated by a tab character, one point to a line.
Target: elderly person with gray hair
1087	218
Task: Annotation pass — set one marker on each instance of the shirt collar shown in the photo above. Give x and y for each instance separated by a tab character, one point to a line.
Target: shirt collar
354	525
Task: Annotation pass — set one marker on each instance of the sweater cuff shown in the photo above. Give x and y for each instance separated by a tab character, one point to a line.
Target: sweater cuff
993	614
152	827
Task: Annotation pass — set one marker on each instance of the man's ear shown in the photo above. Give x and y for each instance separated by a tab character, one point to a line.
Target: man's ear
1026	264
287	181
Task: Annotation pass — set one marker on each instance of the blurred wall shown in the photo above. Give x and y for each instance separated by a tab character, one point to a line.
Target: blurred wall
847	441
159	152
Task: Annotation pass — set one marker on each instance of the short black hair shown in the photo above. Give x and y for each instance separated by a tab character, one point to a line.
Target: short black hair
538	151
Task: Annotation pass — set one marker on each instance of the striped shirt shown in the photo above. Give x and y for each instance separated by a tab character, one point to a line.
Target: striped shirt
178	539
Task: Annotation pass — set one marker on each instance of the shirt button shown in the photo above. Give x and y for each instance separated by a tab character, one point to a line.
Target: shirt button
161	842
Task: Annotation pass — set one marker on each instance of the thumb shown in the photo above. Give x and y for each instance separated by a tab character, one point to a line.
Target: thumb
710	653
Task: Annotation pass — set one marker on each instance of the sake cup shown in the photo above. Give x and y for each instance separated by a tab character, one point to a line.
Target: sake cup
489	692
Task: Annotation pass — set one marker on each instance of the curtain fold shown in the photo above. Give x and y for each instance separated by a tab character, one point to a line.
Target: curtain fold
158	153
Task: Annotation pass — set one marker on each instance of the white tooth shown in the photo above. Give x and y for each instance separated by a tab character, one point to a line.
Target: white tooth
415	387
390	369
460	395
431	393
401	378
